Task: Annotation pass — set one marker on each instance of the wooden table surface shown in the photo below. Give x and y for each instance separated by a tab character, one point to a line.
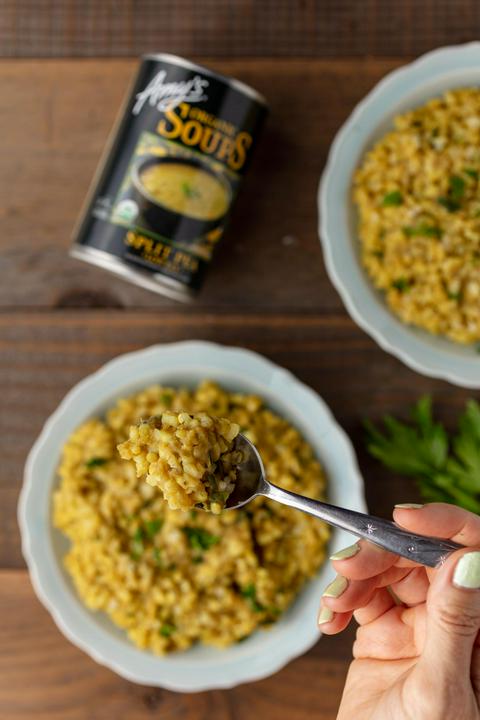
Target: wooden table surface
268	291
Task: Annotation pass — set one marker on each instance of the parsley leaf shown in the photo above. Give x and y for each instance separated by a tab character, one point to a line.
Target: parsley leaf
449	204
96	462
189	191
457	188
136	545
157	555
446	468
152	527
401	284
456	191
200	539
392	199
166	630
471	173
465	466
250	593
423	230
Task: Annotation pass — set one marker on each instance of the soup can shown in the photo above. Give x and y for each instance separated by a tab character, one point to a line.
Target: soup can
161	198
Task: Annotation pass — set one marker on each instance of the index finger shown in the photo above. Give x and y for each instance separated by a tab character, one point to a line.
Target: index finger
363	560
441	520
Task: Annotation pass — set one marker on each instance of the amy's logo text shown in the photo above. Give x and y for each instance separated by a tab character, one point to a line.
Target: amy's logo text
168	95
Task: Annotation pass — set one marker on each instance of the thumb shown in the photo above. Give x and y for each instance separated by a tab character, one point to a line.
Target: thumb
453	617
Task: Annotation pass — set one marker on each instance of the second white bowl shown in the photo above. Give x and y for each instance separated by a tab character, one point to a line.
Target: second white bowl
399	91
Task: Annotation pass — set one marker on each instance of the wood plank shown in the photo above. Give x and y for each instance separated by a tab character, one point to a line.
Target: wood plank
42	355
55	118
233	28
43	676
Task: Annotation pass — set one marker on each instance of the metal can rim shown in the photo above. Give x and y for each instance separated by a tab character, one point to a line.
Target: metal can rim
233	82
148	280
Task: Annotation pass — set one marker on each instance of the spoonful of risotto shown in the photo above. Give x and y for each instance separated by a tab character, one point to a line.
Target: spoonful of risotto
198	461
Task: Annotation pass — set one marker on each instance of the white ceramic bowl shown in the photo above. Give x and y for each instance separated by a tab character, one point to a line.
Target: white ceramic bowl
398	92
186	363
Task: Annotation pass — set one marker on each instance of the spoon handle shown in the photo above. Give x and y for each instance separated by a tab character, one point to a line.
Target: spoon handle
421	549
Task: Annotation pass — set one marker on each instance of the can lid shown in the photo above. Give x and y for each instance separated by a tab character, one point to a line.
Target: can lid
233	82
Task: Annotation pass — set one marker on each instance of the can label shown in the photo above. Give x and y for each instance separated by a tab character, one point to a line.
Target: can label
174	168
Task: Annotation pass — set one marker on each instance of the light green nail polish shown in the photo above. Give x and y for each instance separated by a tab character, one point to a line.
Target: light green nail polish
325	615
347	552
336	587
467	571
409	506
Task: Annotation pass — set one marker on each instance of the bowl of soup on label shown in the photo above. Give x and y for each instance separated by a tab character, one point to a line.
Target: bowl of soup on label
180	197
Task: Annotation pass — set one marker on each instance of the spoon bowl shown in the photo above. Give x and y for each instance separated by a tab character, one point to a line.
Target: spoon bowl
252	482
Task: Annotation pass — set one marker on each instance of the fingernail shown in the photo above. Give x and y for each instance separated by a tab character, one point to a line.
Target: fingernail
409	506
336	587
324	616
347	552
467	571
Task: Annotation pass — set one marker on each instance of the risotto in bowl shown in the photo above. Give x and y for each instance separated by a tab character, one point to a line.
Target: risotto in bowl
400	215
183	599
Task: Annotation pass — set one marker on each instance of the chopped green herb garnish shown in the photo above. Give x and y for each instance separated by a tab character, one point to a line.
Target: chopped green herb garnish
167	629
424	230
189	191
471	173
454	295
242	639
137	546
274	610
456	191
166	399
256	606
392	199
96	462
250	593
378	254
193	514
157	555
457	187
449	204
200	539
446	468
401	284
152	527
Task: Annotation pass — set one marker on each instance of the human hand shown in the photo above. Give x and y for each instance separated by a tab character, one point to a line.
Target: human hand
417	650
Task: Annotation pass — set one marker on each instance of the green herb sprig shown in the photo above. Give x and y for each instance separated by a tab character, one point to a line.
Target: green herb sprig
250	593
200	539
423	230
96	462
166	630
456	191
446	468
392	199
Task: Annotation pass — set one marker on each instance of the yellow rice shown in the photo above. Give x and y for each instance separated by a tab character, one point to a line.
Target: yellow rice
173	578
418	197
191	459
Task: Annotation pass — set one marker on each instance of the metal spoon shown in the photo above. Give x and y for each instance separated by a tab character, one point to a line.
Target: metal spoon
251	483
